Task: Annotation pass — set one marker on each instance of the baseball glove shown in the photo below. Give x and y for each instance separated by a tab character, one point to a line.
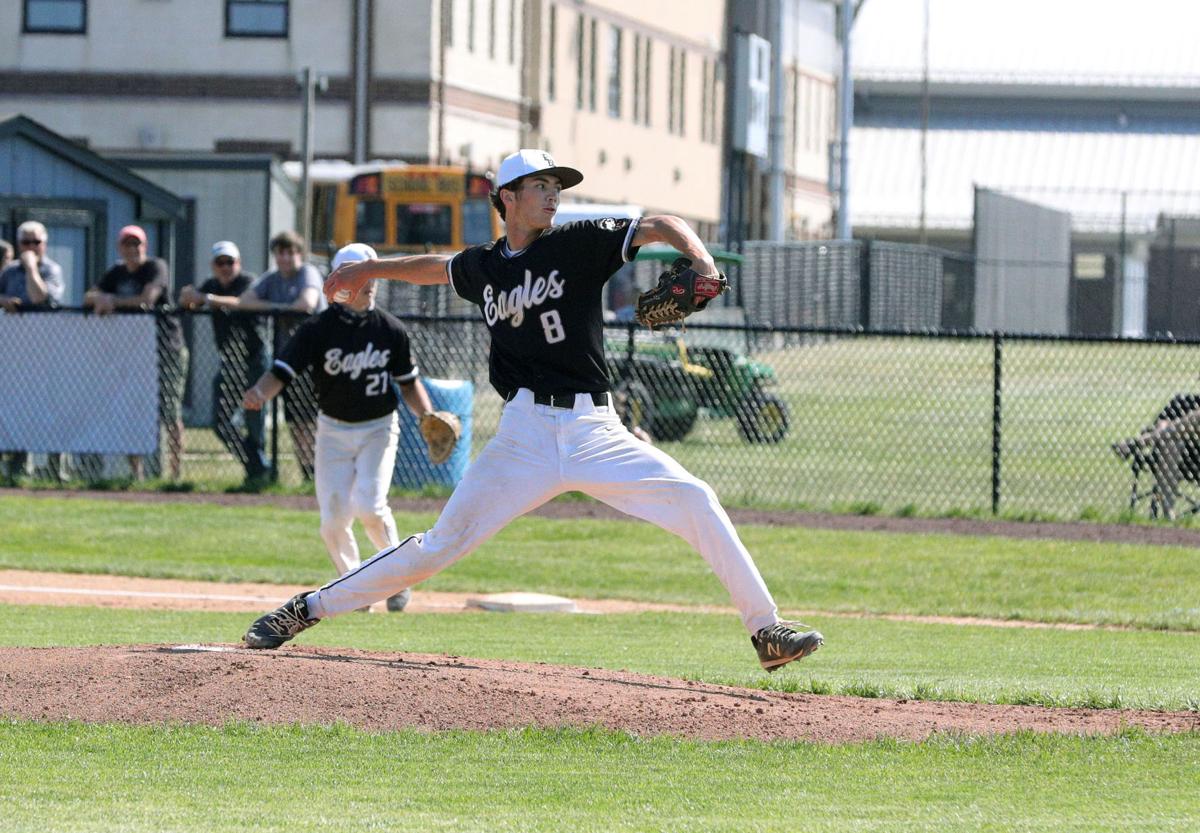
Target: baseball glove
441	430
680	292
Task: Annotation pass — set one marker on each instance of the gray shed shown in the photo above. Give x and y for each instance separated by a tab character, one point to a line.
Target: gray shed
82	199
246	198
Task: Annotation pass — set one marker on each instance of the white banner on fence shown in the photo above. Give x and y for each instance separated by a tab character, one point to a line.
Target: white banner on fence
78	383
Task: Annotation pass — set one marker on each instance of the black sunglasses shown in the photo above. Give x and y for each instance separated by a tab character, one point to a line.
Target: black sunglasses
31	242
224	261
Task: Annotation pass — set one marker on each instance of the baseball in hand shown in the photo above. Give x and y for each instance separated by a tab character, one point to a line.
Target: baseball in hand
341	296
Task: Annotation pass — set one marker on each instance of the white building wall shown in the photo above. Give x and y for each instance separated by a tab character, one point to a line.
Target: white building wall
182	37
624	161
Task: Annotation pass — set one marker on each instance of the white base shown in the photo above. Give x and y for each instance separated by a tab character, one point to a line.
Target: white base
523	603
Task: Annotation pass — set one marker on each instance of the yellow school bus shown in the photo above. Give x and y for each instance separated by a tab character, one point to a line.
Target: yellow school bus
409	208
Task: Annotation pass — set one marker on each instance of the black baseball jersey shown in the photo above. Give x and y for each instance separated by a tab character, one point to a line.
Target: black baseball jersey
543	304
354	358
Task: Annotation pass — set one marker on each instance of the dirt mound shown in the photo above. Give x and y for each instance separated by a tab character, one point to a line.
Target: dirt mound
213	684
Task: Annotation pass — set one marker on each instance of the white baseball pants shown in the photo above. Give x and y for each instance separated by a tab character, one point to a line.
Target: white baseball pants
354	464
539	452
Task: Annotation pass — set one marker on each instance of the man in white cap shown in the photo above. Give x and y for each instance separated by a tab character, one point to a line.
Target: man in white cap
540	290
243	357
356	352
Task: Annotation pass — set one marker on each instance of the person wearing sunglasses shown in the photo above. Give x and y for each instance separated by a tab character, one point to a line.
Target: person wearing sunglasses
242	359
33	280
28	282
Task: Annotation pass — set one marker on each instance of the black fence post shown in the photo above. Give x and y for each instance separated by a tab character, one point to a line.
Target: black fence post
997	352
273	320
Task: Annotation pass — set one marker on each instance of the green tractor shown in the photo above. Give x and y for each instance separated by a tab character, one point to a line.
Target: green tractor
663	386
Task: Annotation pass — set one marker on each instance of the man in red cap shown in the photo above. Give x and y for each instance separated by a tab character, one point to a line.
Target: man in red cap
139	282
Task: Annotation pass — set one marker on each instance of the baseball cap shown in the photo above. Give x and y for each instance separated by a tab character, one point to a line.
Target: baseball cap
533	161
132	231
226	248
353	252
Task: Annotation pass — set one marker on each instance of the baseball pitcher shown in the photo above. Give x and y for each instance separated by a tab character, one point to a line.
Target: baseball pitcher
539	290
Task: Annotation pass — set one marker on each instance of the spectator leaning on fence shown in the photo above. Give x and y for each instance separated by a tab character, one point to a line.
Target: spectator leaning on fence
34	280
31	281
243	358
293	286
139	282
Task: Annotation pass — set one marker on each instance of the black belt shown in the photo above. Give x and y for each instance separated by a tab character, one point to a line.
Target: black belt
564	400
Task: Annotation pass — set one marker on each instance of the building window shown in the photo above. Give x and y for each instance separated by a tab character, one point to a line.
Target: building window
512	31
637	78
256	18
708	101
794	110
810	137
552	54
492	29
470	25
646	82
580	38
677	84
592	68
614	73
59	17
682	92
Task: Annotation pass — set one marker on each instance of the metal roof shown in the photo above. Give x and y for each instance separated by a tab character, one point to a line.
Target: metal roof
1085	173
155	202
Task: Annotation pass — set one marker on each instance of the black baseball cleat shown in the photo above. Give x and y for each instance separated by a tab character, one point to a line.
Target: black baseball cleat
397	603
280	625
778	644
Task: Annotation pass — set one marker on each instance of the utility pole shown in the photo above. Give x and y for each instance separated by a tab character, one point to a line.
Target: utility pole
777	229
309	83
924	237
362	71
846	118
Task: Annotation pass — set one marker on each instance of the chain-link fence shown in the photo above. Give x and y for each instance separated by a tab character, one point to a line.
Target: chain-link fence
813	417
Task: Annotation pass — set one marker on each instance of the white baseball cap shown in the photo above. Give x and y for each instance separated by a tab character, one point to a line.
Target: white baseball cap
352	253
226	248
533	161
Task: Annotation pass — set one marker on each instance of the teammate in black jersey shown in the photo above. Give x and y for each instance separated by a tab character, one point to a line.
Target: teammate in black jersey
355	351
539	289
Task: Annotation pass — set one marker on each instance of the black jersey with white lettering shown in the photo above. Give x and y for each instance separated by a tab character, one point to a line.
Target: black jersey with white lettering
543	304
354	357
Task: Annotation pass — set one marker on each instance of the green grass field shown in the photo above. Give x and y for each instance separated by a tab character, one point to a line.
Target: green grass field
71	777
239	779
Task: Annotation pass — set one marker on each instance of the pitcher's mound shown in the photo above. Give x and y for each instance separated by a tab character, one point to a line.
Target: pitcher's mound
213	684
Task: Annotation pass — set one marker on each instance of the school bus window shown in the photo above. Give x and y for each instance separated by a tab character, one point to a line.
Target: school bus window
369	218
477	221
478	186
420	223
